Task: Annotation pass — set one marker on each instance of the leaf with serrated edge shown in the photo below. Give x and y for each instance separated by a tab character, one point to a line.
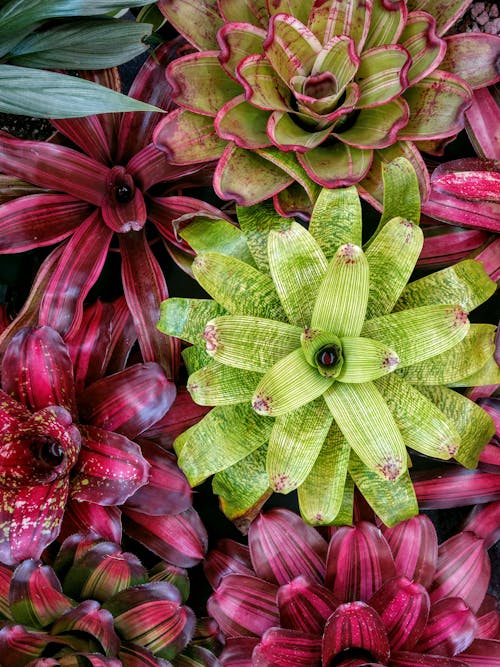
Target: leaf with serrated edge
187	318
336	219
217	384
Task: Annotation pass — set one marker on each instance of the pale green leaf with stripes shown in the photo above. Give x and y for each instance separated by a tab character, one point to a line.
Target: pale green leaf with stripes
217	384
392	501
368	425
187	318
322	492
288	385
252	343
465	283
297	266
294	445
238	287
422	424
224	436
487	374
465	358
341	302
256	222
195	357
391	259
207	233
336	219
366	359
421	333
474	424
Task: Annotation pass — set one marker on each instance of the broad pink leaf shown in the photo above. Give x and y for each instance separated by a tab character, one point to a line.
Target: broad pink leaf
128	402
481	125
88	134
244	605
451	628
48	166
284	647
446	244
452	486
37	370
237	651
180	539
482	653
410	659
91	518
283	547
485	522
110	468
305	605
228	557
355	625
359	560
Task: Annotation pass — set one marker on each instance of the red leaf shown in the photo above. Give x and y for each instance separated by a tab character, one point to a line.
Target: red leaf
123	336
90	619
237	651
19	646
488	619
482	653
305	606
229	557
481	121
284	648
410	659
450	630
452	486
88	134
485	522
82	517
132	655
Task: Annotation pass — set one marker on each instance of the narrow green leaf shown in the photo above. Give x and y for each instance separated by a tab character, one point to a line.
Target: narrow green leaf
297	266
256	222
207	233
369	427
151	14
243	488
392	501
84	44
474	424
294	445
465	358
465	283
366	359
488	374
187	318
252	343
391	259
419	333
224	436
288	385
341	303
195	357
336	219
238	287
217	384
424	427
322	493
33	92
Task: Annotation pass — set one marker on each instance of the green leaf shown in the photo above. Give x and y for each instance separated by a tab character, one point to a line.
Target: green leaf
187	318
243	488
256	222
336	164
422	424
465	283
322	492
474	424
366	359
288	385
419	333
33	92
217	384
391	259
392	501
238	287
379	74
252	343
194	358
420	40
206	233
368	425
297	266
465	358
294	445
89	44
224	436
341	303
151	14
336	219
488	374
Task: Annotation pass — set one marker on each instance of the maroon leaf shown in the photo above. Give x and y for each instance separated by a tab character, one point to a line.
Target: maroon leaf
37	370
305	606
355	625
450	629
286	648
490	257
132	655
244	605
488	619
480	117
229	557
90	619
19	646
12	413
452	486
238	651
91	518
123	337
409	659
150	166
359	560
123	208
482	653
283	547
446	244
485	523
88	134
110	468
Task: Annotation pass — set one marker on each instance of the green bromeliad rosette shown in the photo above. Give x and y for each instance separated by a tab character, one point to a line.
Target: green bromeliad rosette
323	364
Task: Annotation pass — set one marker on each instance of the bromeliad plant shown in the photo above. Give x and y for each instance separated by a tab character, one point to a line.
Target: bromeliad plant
98	606
323	363
289	96
367	596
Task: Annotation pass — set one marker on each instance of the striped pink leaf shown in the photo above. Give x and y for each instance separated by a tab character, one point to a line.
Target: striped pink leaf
481	124
150	165
488	619
18	646
490	257
128	402
123	208
83	517
287	648
133	655
482	653
89	619
446	244
228	557
359	561
237	651
88	134
283	547
485	523
451	486
305	605
450	630
123	337
244	605
414	547
355	625
410	659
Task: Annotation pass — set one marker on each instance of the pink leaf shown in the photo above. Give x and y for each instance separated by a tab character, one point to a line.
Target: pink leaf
305	605
88	134
481	124
123	208
452	486
410	659
83	517
90	619
485	522
237	651
229	557
450	629
286	648
482	653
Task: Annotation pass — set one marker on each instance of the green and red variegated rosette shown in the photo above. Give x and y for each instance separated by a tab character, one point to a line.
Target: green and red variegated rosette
97	605
292	96
324	364
366	596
